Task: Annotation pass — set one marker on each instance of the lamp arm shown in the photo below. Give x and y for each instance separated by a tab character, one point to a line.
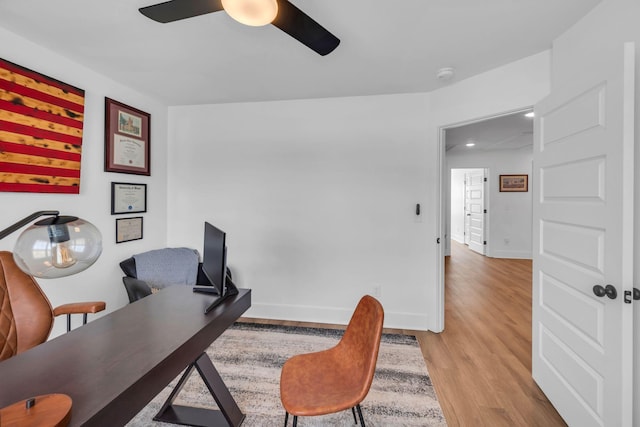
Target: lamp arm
4	233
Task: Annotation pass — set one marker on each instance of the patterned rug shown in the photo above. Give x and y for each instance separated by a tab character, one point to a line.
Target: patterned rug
250	356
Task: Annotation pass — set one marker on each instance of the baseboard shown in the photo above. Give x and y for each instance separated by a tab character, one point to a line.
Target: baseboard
332	315
511	254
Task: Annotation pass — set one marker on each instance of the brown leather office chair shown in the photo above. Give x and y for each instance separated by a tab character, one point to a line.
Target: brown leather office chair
338	378
26	315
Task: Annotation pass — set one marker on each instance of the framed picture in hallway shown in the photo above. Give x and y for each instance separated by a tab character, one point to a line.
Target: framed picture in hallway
514	183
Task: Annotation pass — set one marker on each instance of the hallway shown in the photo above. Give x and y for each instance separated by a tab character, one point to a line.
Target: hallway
481	364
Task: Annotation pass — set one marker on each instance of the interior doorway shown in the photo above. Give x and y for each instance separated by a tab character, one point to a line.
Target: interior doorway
499	222
502	144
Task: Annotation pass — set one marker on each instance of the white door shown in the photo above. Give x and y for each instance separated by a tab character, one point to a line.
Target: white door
474	202
583	237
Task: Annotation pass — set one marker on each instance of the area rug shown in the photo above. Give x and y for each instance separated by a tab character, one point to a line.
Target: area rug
250	356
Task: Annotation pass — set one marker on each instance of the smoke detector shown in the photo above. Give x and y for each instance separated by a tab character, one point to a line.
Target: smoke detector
445	74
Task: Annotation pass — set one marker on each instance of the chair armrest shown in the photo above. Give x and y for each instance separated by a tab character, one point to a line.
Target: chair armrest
80	308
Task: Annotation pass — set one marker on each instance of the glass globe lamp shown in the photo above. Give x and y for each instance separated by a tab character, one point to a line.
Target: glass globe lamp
57	247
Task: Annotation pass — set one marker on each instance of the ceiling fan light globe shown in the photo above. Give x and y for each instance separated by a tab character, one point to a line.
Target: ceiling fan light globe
255	13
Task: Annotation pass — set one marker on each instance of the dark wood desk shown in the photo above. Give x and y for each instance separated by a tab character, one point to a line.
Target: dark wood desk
112	367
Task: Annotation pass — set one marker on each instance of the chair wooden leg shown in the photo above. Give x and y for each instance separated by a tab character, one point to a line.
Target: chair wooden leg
360	414
353	411
286	418
295	421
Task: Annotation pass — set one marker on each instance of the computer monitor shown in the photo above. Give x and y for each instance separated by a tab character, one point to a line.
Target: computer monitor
214	267
214	257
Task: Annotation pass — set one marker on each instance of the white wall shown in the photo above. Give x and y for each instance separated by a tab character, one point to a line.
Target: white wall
317	198
509	214
612	22
513	87
103	280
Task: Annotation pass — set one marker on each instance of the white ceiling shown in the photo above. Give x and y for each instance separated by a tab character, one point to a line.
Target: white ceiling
386	46
507	132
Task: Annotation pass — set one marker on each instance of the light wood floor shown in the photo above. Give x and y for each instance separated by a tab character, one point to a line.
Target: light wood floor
480	365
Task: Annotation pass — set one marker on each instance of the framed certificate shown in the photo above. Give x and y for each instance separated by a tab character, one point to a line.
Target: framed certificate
127	139
128	229
128	198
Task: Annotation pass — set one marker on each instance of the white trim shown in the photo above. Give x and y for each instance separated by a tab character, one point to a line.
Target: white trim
330	315
628	160
512	254
438	316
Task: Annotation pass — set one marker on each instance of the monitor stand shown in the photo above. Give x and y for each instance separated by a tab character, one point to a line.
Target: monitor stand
230	290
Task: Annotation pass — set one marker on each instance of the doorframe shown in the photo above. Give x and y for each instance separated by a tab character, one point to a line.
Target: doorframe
440	214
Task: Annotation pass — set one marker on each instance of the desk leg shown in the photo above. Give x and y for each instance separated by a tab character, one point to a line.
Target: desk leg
229	413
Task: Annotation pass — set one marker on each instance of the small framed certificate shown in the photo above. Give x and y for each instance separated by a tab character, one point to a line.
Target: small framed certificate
128	229
128	197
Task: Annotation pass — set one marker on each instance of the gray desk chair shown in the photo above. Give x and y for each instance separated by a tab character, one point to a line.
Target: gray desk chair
137	289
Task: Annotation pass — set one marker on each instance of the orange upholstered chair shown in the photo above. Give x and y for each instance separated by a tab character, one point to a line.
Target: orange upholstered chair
26	316
338	378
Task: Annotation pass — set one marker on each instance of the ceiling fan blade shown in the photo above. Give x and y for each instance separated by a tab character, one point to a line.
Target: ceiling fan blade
175	10
303	28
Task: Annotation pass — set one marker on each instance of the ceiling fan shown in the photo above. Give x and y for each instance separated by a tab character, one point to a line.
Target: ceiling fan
283	15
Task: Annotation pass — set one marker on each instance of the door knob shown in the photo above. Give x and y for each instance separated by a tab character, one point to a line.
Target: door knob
608	290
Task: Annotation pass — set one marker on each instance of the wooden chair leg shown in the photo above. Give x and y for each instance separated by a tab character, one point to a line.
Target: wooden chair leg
353	411
295	421
360	414
286	418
